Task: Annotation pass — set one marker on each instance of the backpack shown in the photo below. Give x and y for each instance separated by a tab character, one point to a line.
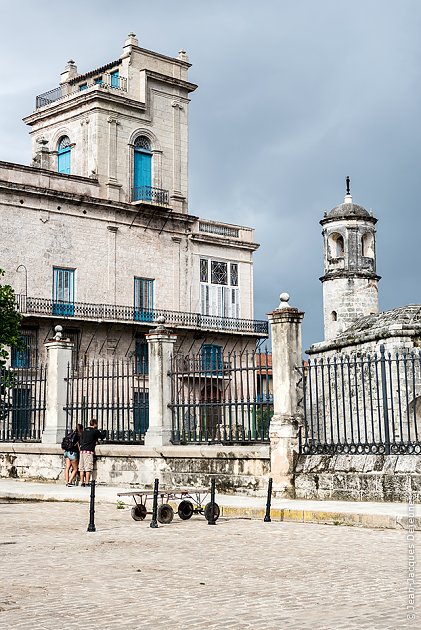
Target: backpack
68	442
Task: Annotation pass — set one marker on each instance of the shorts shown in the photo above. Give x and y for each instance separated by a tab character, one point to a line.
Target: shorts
86	461
72	456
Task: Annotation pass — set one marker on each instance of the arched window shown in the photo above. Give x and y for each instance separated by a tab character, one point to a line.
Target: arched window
142	169
336	245
367	245
63	155
334	316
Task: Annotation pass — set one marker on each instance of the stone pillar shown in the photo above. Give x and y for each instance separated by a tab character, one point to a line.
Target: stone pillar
113	187
59	355
287	394
161	345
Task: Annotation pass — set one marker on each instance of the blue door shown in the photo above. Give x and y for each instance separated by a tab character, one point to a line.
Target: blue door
142	178
63	156
141	412
143	300
21	412
63	292
115	79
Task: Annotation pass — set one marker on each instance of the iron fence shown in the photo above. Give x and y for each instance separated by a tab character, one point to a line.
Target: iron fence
221	399
116	393
113	312
22	403
363	404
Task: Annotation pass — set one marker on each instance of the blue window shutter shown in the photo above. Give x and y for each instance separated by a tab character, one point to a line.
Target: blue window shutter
63	161
115	79
142	357
82	87
63	292
142	176
211	357
98	81
143	299
21	357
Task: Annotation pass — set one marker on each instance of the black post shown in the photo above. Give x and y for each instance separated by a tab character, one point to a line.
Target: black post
385	407
154	522
211	519
268	502
91	526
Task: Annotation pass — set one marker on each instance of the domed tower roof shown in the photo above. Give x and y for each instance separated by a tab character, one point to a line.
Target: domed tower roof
348	210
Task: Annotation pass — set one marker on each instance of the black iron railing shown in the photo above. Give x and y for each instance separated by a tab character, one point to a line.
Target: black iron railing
151	194
112	312
107	81
116	393
222	399
22	403
363	404
48	97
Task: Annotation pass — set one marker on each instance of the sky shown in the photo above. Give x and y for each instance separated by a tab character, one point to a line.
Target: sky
294	95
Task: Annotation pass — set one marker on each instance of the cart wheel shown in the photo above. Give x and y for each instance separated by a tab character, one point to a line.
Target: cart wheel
138	512
216	511
185	510
165	514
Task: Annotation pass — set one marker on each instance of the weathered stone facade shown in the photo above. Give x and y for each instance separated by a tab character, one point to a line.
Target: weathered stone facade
88	222
236	469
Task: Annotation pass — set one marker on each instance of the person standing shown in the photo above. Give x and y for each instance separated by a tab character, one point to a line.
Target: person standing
71	455
88	442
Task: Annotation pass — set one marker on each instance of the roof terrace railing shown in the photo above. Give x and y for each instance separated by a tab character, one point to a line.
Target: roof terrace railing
107	81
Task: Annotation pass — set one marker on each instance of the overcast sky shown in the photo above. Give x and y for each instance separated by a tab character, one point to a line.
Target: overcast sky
293	96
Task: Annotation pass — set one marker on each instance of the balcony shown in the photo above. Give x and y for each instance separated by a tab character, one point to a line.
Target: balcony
152	195
32	306
108	81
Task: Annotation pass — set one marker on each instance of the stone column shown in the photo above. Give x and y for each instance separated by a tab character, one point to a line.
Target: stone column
113	186
59	355
287	394
161	345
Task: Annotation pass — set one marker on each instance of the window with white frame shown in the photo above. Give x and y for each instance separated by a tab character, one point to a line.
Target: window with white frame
219	288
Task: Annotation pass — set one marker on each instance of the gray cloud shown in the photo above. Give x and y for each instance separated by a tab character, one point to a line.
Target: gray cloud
293	96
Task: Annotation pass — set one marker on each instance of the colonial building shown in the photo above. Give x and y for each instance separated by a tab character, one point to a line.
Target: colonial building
96	233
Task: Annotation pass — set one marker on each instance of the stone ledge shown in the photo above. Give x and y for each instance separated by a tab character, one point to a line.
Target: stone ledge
139	451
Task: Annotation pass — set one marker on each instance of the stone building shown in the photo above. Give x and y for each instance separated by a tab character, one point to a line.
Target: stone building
96	233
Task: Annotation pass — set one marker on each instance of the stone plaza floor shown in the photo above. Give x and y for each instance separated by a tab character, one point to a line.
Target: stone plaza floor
238	574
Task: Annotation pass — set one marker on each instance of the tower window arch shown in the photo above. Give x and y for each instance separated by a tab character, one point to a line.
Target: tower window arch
334	316
336	245
367	245
142	169
63	155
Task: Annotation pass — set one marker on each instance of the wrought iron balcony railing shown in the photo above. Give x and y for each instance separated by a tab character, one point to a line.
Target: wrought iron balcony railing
151	194
112	312
107	81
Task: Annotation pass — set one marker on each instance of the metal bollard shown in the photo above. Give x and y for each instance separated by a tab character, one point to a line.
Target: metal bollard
211	519
91	526
268	502
154	522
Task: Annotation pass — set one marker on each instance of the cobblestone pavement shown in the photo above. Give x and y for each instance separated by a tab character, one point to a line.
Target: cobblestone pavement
238	574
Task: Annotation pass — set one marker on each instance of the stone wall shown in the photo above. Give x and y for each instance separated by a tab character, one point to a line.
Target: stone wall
237	469
358	477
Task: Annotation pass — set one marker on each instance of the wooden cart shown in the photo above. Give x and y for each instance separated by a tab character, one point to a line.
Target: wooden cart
189	501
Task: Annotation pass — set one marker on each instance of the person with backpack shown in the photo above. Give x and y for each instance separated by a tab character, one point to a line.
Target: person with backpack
89	439
71	446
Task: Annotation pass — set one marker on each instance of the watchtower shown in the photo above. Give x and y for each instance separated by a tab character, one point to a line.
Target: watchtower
350	282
